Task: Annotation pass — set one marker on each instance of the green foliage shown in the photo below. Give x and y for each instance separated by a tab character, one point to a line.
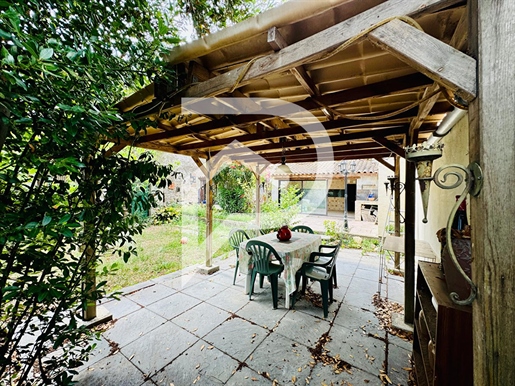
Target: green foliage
167	214
275	214
207	15
234	188
336	232
63	66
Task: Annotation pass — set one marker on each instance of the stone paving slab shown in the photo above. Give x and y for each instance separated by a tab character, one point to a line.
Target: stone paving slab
230	300
202	332
357	348
201	319
398	360
183	281
261	314
121	308
173	305
301	328
112	370
131	327
151	294
154	350
201	365
204	290
282	359
237	337
353	317
325	375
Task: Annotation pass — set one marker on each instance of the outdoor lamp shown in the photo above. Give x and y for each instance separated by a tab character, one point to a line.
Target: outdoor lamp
446	177
343	169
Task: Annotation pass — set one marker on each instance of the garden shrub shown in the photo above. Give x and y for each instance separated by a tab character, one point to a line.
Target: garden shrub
275	214
167	214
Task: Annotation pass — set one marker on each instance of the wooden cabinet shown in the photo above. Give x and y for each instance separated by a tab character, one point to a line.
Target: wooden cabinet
442	344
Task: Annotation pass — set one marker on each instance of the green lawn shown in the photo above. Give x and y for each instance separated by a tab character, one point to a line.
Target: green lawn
160	252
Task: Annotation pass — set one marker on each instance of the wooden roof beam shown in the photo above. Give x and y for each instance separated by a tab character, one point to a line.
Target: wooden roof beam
444	64
277	42
382	161
328	140
393	147
457	41
402	84
313	47
359	154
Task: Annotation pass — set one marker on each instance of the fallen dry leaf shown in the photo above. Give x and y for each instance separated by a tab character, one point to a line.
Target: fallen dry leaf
202	347
293	379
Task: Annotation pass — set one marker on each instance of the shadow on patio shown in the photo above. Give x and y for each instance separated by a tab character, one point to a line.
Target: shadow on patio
186	328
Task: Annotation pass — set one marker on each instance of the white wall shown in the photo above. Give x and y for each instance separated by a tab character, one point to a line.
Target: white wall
441	201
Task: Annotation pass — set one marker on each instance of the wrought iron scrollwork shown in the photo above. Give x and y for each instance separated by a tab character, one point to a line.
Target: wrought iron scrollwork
447	178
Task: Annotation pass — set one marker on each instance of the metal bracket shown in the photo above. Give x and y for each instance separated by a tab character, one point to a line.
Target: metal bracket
474	183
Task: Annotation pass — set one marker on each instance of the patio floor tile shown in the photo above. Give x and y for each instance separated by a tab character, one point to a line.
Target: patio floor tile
204	290
281	358
353	317
230	299
132	326
199	365
237	337
302	328
183	281
261	313
173	305
112	370
201	319
324	375
193	329
398	361
120	308
357	348
247	376
154	350
151	294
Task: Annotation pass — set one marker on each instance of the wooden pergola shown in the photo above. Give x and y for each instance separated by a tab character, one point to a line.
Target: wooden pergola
331	80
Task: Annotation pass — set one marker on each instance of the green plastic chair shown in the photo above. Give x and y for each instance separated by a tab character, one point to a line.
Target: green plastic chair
324	254
320	268
302	228
262	254
236	237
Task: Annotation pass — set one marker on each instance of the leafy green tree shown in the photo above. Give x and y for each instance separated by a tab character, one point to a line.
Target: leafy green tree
63	202
234	188
208	16
276	214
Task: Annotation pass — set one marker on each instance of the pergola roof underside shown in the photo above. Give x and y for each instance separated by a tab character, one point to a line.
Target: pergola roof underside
361	80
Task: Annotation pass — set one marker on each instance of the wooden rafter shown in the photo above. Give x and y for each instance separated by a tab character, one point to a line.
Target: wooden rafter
442	63
313	47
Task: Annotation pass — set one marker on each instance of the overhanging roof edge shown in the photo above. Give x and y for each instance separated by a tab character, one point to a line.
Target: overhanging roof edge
290	12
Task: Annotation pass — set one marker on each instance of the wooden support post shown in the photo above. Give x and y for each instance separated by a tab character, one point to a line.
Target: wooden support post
258	197
208	169
397	212
492	135
257	174
409	244
209	218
